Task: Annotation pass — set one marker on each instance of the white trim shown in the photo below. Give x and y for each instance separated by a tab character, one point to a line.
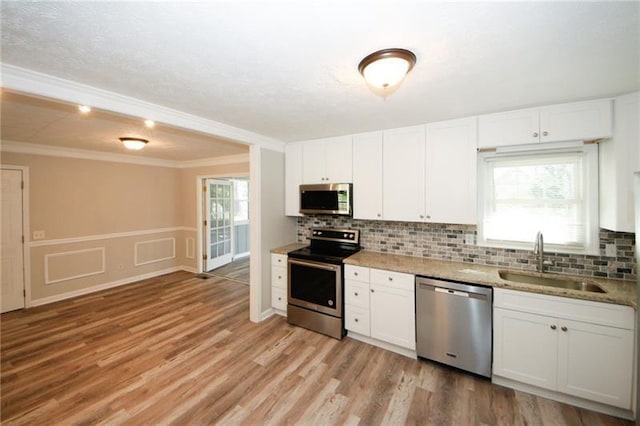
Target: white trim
188	269
86	154
384	345
255	236
26	261
564	398
138	243
105	286
47	281
268	313
28	81
97	237
241	255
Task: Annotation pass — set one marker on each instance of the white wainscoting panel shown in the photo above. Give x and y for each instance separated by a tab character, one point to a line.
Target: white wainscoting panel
68	265
191	248
151	251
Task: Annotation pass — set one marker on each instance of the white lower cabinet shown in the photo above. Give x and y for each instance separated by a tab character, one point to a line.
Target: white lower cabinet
579	348
279	283
381	305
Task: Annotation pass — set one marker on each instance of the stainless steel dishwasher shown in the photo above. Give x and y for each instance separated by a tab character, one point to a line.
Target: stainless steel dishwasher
453	324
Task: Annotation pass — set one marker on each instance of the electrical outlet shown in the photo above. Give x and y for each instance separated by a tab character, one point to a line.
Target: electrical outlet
469	239
610	250
38	235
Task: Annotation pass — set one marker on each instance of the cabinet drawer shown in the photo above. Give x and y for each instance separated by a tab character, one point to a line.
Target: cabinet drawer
356	273
356	293
278	259
564	307
279	298
279	277
392	279
357	320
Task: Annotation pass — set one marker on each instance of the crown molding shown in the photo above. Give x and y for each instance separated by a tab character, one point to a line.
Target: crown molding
36	83
85	154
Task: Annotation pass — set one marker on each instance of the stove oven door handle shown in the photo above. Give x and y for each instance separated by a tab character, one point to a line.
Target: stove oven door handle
312	264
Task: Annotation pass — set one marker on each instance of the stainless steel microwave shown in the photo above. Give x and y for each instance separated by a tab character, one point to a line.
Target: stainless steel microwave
326	198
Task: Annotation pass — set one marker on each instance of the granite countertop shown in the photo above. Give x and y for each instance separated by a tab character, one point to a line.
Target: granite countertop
288	248
617	291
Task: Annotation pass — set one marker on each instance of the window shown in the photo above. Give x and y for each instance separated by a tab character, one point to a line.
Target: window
240	201
551	191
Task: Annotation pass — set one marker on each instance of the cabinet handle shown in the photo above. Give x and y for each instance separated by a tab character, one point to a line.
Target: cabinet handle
428	217
390	278
535	134
421	216
545	133
355	294
279	298
279	277
355	274
356	319
553	327
373	291
379	215
563	328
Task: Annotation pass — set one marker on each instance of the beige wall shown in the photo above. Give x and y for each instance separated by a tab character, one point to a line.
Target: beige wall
91	200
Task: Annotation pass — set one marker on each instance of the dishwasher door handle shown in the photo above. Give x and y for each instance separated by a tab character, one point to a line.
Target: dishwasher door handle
452	292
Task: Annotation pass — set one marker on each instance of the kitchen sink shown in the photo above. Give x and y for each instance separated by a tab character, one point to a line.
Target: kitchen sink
551	281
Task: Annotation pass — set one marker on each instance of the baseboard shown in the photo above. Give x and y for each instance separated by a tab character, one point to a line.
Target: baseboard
191	269
266	314
105	286
564	398
384	345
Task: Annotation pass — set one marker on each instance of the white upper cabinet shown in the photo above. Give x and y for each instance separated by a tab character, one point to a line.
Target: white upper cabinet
403	182
327	160
367	176
292	179
619	158
575	121
451	171
508	128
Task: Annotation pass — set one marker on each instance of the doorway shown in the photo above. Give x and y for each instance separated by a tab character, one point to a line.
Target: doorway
12	253
226	221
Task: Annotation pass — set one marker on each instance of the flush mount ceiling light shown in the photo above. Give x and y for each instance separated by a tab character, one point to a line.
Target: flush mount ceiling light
386	68
149	123
134	143
84	109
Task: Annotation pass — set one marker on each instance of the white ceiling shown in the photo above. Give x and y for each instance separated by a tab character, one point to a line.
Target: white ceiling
51	123
288	70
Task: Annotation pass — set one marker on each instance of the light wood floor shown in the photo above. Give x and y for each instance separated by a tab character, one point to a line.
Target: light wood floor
237	270
180	350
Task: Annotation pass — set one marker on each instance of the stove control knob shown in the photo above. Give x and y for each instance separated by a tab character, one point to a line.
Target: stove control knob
319	232
346	235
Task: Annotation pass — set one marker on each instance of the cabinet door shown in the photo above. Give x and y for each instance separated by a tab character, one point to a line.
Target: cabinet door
279	298
596	362
403	174
313	162
367	176
508	128
525	347
357	320
392	316
292	179
577	121
451	172
338	160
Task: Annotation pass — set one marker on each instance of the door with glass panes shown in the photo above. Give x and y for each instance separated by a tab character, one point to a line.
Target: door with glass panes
219	215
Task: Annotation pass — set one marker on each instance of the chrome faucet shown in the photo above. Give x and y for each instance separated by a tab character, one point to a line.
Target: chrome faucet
538	250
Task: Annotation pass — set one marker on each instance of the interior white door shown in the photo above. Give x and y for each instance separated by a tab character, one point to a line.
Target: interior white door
12	284
218	232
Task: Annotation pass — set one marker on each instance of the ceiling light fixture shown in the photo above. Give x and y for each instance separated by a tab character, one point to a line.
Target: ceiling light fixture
134	143
387	67
84	109
149	123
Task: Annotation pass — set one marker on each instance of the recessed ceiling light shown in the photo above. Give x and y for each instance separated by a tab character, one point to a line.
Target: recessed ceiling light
386	68
134	143
149	123
84	109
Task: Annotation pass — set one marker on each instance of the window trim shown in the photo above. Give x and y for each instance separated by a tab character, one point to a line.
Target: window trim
592	228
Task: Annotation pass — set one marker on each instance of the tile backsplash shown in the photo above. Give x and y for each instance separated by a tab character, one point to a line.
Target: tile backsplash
447	242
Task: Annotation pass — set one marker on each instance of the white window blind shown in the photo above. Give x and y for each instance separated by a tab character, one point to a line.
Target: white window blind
551	192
